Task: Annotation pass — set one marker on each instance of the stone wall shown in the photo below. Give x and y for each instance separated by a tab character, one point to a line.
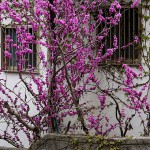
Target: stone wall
80	142
6	148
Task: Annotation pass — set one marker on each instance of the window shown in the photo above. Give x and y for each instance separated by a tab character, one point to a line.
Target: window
29	58
128	27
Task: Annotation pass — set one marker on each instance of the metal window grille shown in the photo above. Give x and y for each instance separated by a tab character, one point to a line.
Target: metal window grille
128	27
31	59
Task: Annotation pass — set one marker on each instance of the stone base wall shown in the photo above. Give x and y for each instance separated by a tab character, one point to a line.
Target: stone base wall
82	142
7	148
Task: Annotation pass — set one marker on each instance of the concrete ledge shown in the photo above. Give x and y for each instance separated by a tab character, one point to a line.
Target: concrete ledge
82	142
7	148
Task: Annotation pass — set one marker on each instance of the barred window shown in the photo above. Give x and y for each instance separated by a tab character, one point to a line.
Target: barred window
30	59
127	28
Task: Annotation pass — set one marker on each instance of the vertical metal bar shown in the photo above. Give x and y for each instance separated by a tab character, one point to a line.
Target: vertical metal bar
119	40
110	36
28	55
103	26
2	47
115	54
32	49
110	40
9	66
24	64
3	32
124	29
133	59
13	50
139	10
101	29
36	52
129	34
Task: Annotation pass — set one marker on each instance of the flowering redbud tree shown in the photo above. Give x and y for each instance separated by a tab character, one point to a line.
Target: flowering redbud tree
70	53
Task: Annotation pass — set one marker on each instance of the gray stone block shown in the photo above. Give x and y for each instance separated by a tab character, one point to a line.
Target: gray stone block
82	142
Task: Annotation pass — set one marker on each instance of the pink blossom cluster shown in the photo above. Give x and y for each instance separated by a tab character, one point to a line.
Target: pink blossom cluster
130	75
115	9
135	3
95	123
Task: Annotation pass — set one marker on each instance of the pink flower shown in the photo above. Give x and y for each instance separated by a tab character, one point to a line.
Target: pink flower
7	54
92	119
136	39
102	99
100	38
135	3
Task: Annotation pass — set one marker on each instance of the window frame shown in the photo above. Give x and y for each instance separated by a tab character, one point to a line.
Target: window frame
139	59
13	69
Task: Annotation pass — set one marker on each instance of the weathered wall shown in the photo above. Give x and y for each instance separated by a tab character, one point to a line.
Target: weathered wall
5	148
81	142
70	142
